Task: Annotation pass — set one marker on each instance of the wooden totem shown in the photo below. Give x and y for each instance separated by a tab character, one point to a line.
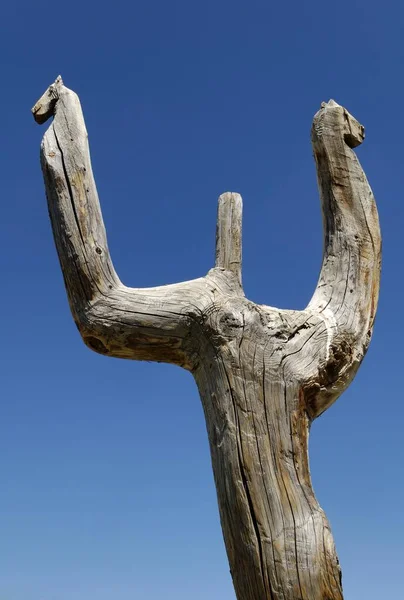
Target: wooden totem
264	374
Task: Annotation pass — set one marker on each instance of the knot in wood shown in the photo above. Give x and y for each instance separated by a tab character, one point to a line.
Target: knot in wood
230	323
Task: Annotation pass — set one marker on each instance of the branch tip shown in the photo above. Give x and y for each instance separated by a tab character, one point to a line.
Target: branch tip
44	109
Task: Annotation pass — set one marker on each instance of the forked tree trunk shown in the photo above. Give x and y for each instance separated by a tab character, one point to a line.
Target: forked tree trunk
263	373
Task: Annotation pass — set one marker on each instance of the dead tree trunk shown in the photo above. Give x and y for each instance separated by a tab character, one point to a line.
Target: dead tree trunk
263	373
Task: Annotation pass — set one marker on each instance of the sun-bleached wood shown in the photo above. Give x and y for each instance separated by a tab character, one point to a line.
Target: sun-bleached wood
228	233
263	373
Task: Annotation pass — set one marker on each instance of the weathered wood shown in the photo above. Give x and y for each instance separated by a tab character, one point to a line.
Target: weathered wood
228	233
263	373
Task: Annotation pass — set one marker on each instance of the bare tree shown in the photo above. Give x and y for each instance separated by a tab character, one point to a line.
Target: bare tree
264	374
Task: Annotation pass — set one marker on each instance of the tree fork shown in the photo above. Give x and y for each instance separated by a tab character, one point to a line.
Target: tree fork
264	374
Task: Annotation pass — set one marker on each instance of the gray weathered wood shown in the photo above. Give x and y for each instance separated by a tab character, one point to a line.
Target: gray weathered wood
228	233
263	373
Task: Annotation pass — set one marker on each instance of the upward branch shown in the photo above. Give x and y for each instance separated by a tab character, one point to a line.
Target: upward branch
348	287
73	200
144	324
228	233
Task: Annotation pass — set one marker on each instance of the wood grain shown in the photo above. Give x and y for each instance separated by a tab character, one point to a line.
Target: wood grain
263	373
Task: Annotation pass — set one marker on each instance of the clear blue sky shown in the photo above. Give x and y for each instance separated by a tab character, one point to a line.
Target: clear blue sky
106	490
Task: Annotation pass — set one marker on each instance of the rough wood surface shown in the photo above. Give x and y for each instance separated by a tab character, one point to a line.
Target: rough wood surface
263	373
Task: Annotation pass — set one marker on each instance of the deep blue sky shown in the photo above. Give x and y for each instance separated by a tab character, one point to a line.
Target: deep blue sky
106	485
